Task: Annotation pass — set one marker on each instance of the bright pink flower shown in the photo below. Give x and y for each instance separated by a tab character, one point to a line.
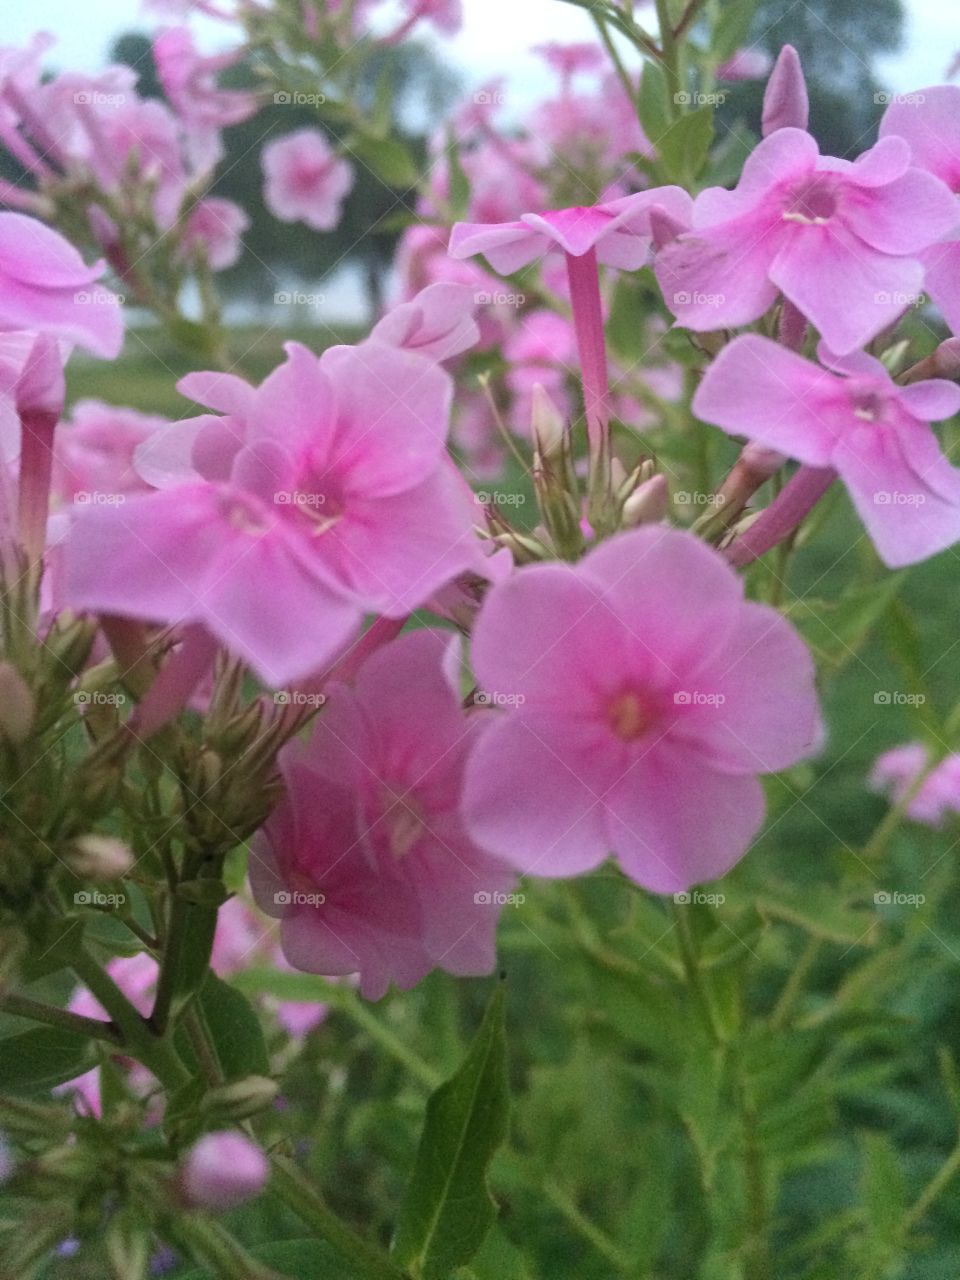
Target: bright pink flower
854	420
46	286
323	496
93	452
222	1170
930	122
648	695
216	227
366	859
841	240
939	795
305	179
189	80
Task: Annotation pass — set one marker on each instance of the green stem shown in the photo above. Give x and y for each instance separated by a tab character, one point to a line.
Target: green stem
757	1260
628	87
382	1034
689	954
887	827
215	1248
671	57
300	1196
589	1230
95	1028
793	987
932	1191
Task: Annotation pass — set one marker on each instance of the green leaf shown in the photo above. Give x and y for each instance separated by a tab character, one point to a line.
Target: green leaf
732	28
305	1259
683	148
837	630
652	103
389	159
459	183
234	1029
36	1061
448	1209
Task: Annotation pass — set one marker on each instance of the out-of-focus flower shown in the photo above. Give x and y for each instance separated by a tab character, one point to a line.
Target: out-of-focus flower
897	770
222	1170
306	181
216	227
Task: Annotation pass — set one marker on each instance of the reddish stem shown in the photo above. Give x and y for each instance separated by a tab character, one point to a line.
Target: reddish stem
795	501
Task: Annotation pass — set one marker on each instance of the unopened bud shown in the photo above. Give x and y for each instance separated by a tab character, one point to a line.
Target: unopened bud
647	503
221	1171
785	102
241	1099
946	359
100	857
40	387
548	424
761	461
17	707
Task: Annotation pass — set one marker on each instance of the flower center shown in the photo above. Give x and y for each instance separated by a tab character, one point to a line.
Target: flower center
628	716
404	820
244	515
813	202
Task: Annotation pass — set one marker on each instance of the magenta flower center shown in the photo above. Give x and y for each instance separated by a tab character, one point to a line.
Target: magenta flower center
813	201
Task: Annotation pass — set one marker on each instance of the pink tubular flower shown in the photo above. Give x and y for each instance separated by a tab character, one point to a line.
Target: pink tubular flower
305	180
929	121
840	240
896	771
46	286
190	82
222	1170
856	421
366	859
215	227
648	695
325	495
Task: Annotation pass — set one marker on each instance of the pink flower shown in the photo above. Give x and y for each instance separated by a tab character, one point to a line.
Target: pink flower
93	453
438	323
745	64
323	496
222	1170
216	227
647	695
569	60
896	771
46	286
786	104
855	420
366	859
929	122
840	240
190	82
306	180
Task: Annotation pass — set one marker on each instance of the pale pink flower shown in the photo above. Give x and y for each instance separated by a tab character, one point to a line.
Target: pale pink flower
938	797
839	239
569	60
438	323
93	451
366	859
306	181
929	122
645	694
323	496
46	286
221	1171
215	227
786	104
851	418
189	81
750	63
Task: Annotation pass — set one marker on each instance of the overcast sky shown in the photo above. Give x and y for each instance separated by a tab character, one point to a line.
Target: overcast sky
493	42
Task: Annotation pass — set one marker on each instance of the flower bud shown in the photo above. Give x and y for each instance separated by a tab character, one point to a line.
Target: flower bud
647	503
548	424
946	359
16	705
785	102
100	857
760	461
241	1098
221	1171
